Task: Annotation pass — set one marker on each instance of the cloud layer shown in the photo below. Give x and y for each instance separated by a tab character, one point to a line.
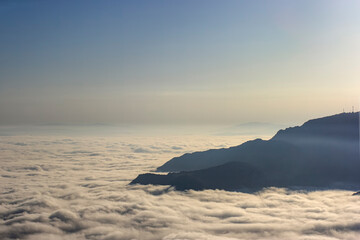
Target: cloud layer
76	188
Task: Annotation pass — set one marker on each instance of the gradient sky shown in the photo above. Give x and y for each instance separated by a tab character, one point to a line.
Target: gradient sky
177	62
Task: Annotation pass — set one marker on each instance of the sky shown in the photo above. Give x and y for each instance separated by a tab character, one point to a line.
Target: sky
177	62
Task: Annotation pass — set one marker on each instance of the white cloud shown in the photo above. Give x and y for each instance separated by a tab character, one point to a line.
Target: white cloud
52	189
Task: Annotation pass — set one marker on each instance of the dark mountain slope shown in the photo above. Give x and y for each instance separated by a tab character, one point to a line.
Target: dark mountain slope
230	176
340	127
332	137
322	152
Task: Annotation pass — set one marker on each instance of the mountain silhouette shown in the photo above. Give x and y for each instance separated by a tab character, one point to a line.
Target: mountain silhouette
322	152
234	175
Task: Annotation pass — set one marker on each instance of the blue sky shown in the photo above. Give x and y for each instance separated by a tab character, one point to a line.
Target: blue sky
183	62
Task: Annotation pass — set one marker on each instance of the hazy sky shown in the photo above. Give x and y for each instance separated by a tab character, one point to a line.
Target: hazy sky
183	62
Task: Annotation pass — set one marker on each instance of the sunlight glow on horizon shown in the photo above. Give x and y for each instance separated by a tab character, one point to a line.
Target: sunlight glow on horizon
178	62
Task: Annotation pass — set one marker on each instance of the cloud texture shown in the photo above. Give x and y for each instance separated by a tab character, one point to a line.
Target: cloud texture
76	188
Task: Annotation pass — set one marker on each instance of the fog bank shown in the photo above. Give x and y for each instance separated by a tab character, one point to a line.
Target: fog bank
76	188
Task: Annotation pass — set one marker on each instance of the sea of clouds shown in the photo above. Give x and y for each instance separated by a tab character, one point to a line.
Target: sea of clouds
55	187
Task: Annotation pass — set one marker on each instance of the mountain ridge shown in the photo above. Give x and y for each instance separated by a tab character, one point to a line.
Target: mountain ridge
321	152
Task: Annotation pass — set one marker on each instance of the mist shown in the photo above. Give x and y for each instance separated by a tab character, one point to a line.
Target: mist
96	93
56	187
